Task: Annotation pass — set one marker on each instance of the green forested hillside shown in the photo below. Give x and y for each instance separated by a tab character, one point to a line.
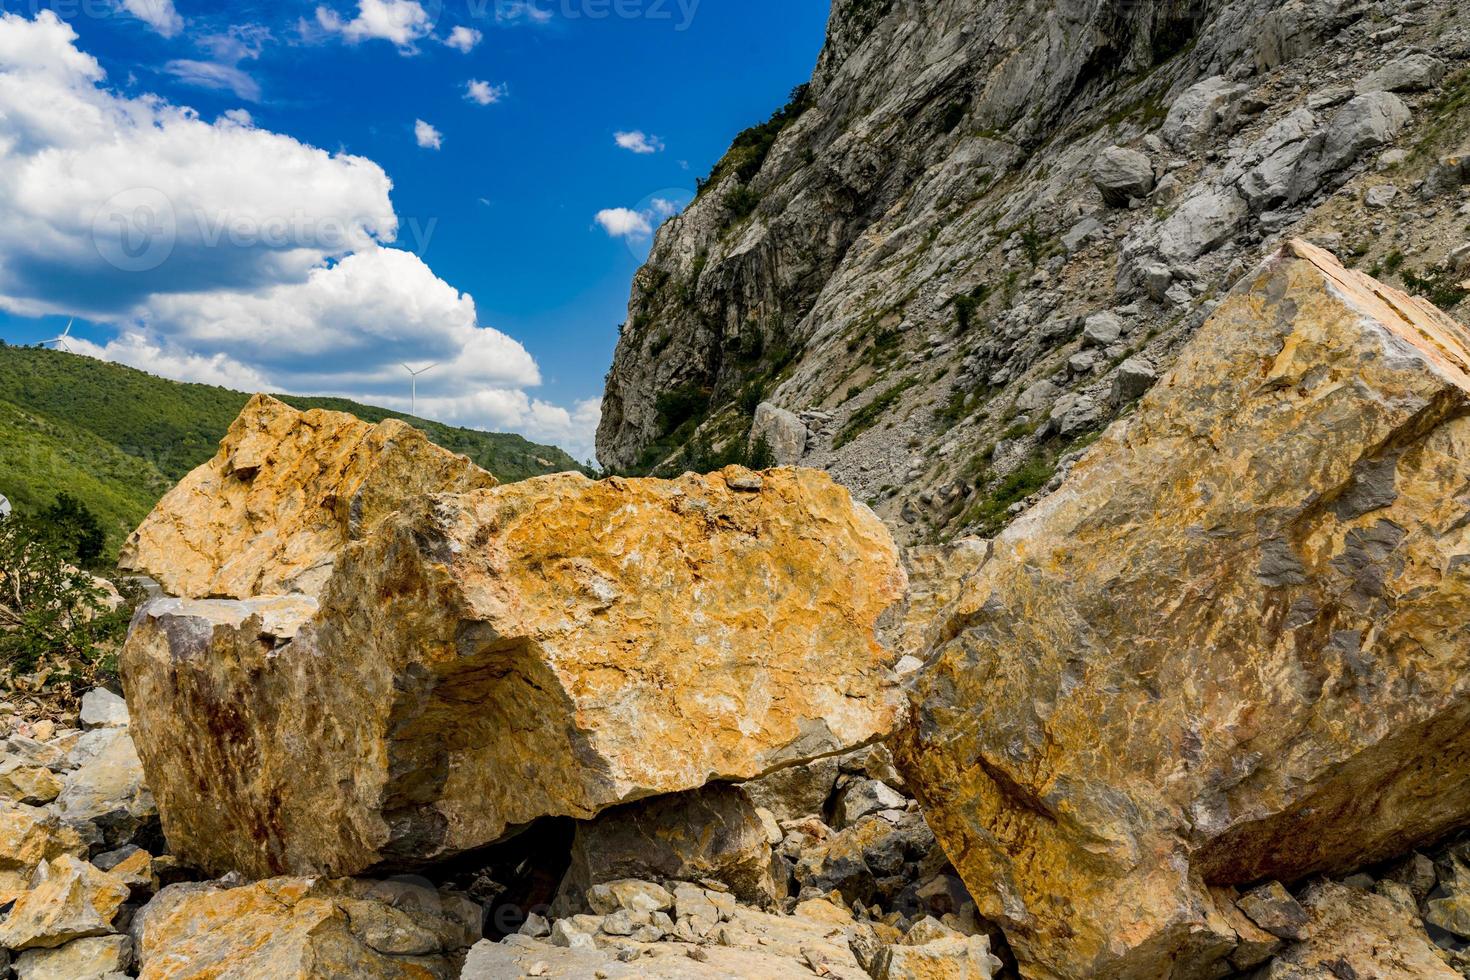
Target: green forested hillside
119	438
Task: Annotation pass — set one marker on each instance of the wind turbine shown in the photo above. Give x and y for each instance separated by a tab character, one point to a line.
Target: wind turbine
414	402
60	342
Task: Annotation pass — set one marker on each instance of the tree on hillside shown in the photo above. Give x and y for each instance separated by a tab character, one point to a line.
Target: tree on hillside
75	530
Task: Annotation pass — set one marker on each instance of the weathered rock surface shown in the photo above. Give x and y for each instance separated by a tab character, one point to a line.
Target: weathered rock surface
304	929
286	491
712	833
68	899
555	647
1122	174
1354	933
29	838
1230	648
796	791
703	936
107	787
784	433
97	958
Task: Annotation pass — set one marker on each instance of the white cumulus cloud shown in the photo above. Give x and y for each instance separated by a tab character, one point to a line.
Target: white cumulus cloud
401	22
483	93
638	141
427	136
157	14
137	349
225	253
624	223
464	39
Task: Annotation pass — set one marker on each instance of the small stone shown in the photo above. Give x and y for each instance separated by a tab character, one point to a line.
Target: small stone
1102	329
535	926
563	933
95	958
1381	196
774	834
621	923
1411	74
785	434
630	894
1122	174
1157	278
32	785
1417	873
1082	363
863	797
1272	908
746	482
28	839
1134	378
103	709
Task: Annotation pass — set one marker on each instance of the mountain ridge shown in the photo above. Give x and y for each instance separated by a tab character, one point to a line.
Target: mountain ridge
986	228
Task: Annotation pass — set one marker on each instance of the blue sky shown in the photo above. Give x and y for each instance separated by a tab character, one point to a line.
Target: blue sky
208	190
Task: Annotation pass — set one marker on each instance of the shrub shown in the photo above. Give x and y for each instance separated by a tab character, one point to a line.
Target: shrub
741	202
52	615
748	153
679	405
762	457
866	417
966	304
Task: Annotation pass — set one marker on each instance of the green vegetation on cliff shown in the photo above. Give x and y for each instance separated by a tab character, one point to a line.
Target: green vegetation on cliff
117	438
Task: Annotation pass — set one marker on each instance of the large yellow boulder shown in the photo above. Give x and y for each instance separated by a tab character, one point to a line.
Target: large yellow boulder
286	491
1233	646
554	647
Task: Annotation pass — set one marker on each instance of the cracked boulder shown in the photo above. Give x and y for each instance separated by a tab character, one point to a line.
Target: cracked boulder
285	492
1231	648
551	648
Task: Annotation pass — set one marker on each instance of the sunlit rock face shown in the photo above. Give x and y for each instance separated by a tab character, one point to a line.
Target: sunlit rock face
285	492
481	660
1232	647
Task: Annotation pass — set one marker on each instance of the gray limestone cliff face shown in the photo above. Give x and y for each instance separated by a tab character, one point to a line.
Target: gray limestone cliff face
920	237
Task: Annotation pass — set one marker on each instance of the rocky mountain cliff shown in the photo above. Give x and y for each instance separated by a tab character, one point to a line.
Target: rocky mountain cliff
985	227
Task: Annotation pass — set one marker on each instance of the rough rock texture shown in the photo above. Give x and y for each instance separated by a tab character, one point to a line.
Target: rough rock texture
97	958
784	434
30	838
796	791
712	833
107	787
699	935
304	929
1230	648
286	491
936	576
68	899
554	647
1354	933
1122	174
910	249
